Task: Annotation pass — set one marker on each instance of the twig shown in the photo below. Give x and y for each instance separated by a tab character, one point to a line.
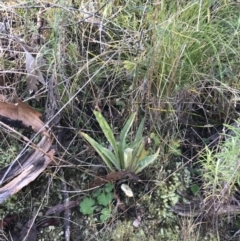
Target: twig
61	207
67	215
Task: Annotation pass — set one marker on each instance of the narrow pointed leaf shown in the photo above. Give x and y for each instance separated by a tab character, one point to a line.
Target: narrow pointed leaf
147	161
126	128
121	155
107	131
137	153
128	157
139	132
122	142
107	156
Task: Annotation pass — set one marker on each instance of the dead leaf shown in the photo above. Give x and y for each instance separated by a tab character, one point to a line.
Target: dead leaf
113	177
120	204
3	98
127	190
8	221
46	222
34	74
24	113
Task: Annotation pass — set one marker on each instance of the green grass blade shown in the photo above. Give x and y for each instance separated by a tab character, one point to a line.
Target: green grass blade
126	128
122	142
138	148
139	131
107	132
107	156
147	161
121	156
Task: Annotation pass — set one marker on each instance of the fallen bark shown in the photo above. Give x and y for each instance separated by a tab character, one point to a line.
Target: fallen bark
27	159
29	174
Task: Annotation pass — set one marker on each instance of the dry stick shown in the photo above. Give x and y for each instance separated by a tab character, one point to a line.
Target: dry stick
40	23
67	215
61	207
66	203
53	100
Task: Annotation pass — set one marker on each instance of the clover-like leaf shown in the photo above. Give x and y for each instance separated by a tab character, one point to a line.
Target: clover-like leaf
105	198
105	214
87	206
108	187
97	192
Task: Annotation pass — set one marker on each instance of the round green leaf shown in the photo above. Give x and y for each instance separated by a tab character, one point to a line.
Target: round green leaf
108	187
105	214
105	199
87	206
194	189
97	192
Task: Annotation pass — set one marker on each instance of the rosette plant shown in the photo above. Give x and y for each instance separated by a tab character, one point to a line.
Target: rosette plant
125	155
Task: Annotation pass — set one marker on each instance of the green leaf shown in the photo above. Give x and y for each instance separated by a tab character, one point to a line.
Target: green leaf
121	155
87	206
107	132
108	187
122	142
155	138
195	188
139	133
137	154
105	199
175	147
96	192
105	214
127	157
147	161
130	65
107	156
126	128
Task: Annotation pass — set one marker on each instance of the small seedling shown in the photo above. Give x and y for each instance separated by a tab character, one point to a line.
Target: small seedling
101	198
126	155
105	198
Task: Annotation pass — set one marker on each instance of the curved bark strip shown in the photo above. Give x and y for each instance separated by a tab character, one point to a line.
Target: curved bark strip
29	174
29	164
22	163
23	113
